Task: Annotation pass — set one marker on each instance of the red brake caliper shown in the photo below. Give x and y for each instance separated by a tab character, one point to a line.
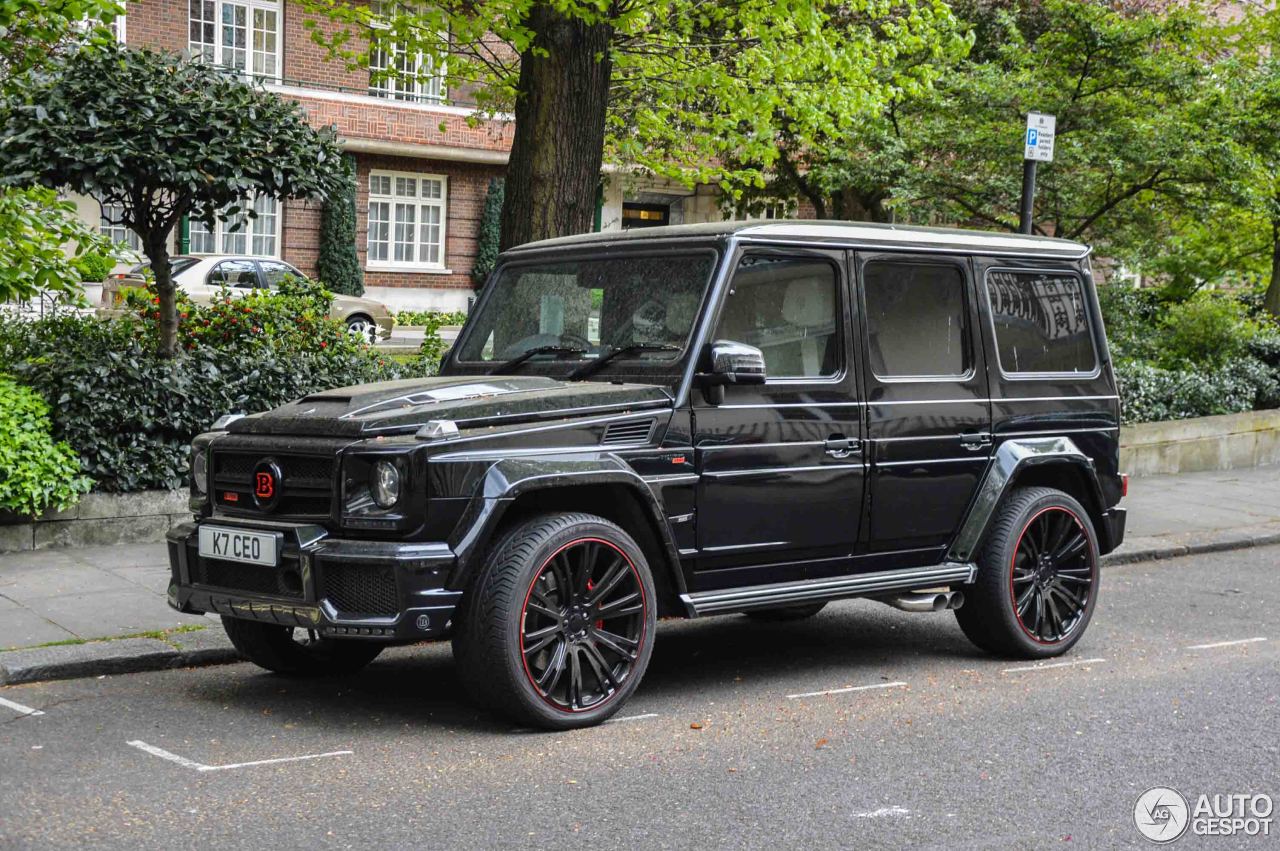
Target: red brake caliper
599	623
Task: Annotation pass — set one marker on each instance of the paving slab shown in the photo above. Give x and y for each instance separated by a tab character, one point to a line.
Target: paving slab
20	627
111	613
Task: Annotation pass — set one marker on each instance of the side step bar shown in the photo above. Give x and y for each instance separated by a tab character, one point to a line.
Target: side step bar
810	590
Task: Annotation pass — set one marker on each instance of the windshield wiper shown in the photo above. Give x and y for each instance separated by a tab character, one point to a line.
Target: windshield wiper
592	367
509	365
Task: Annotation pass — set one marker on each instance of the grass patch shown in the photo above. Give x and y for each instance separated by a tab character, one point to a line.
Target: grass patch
157	634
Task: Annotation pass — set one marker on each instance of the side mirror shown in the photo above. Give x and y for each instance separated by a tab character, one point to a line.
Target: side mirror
731	363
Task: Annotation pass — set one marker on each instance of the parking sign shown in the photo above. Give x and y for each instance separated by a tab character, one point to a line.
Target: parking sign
1039	137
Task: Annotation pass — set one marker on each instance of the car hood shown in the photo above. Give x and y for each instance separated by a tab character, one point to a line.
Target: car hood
348	303
402	407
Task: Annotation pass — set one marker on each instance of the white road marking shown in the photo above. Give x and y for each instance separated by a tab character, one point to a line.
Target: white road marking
1224	644
882	812
19	708
1052	665
632	718
844	690
197	766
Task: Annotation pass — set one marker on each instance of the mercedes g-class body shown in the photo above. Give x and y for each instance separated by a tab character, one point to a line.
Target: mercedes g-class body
678	422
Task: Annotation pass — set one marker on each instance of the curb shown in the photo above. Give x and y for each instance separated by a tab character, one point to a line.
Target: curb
121	656
211	646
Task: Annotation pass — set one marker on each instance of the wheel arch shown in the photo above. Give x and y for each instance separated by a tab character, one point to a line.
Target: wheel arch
1054	462
611	490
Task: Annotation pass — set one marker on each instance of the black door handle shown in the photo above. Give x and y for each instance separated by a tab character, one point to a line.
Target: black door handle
975	440
839	446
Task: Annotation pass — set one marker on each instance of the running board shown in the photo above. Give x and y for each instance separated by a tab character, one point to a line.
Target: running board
812	590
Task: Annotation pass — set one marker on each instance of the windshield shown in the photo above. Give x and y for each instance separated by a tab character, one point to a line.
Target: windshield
583	309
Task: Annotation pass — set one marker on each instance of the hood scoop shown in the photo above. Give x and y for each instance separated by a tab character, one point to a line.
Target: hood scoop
622	434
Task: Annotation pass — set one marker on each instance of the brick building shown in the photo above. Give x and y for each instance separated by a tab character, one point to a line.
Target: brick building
422	168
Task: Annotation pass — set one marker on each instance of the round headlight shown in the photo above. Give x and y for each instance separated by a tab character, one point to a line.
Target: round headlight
385	484
200	470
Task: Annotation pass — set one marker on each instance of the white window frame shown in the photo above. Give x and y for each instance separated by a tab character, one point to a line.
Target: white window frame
418	82
418	203
109	226
221	54
252	229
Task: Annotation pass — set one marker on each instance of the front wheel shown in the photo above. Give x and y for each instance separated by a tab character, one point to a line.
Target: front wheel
1037	582
298	652
363	328
557	629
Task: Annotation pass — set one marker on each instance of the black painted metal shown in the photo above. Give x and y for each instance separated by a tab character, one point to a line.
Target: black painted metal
1053	576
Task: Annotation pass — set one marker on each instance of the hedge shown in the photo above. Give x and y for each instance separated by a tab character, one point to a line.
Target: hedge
36	473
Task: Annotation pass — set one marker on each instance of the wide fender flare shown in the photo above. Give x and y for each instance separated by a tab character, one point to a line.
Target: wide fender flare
1011	458
511	478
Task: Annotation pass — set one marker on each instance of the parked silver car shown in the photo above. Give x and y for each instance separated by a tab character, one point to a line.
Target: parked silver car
201	278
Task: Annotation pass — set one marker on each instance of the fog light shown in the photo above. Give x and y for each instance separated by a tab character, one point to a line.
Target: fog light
200	470
385	484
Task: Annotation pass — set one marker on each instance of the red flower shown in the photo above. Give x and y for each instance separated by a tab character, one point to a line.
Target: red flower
323	344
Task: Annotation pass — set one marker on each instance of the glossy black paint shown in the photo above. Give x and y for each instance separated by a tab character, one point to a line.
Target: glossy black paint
730	487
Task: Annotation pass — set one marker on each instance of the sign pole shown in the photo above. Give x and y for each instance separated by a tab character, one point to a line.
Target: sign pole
1028	195
1037	147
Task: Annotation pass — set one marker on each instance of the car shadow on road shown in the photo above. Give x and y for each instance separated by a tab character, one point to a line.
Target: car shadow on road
419	685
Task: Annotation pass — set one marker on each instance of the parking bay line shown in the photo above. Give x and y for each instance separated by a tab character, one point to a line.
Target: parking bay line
197	766
845	690
20	708
646	716
1224	643
1069	664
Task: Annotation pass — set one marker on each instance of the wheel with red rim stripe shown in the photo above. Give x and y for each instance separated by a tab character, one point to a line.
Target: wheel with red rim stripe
1038	578
556	631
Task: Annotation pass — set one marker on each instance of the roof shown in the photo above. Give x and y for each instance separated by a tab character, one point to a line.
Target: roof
856	234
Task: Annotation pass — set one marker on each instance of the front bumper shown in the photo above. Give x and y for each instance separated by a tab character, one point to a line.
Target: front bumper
343	588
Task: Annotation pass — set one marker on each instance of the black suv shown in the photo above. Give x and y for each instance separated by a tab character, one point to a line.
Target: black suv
683	421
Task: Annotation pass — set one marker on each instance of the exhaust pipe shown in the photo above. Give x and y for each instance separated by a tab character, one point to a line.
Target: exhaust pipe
928	601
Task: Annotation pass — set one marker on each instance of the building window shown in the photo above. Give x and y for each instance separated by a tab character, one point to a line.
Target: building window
111	227
242	35
394	71
406	220
240	234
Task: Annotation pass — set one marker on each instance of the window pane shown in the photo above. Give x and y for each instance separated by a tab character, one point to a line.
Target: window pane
431	188
787	308
274	271
1041	324
406	187
200	38
264	42
404	233
235	28
379	184
234	273
916	319
109	224
429	235
264	227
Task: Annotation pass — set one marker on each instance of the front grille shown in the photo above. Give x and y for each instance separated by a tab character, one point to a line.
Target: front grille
306	490
282	581
360	589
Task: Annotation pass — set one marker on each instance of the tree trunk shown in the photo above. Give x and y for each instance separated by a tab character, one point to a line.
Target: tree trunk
156	248
1271	301
554	171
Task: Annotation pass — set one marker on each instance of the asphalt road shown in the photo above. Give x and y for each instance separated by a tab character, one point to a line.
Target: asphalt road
949	749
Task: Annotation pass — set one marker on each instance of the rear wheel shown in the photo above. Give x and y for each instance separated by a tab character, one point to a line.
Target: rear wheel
558	627
787	613
363	327
298	652
1038	578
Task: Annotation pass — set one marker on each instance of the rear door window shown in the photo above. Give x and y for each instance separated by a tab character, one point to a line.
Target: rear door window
273	272
1041	325
916	320
234	273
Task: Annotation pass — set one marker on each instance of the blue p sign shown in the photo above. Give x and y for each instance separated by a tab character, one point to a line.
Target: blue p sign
1033	137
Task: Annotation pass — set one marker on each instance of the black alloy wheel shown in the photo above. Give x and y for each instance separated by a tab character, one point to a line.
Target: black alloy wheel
1038	577
1051	577
582	624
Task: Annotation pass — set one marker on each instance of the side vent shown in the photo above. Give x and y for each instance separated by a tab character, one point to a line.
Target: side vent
619	434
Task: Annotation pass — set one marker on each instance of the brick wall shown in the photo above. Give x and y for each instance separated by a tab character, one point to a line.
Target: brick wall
156	23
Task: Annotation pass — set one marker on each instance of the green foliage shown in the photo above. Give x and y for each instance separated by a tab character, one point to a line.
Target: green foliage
130	414
432	318
32	32
35	472
1149	393
489	234
94	266
163	137
35	228
338	265
1207	330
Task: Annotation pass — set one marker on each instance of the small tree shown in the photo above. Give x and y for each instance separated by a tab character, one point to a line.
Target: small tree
338	265
490	227
162	137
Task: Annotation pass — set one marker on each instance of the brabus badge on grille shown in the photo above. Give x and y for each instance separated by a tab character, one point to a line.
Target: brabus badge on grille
266	484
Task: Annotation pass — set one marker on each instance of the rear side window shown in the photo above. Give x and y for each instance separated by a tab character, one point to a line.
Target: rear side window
1040	322
916	320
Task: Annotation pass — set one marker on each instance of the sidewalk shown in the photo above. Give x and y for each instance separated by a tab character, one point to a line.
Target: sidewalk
76	595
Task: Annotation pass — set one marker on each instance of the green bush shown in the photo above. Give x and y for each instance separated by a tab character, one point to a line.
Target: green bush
35	472
338	264
1207	330
130	414
1131	317
94	266
1149	393
432	318
490	232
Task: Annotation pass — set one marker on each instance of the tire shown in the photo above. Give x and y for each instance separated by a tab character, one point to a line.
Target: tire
281	649
787	613
1058	593
363	327
530	642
